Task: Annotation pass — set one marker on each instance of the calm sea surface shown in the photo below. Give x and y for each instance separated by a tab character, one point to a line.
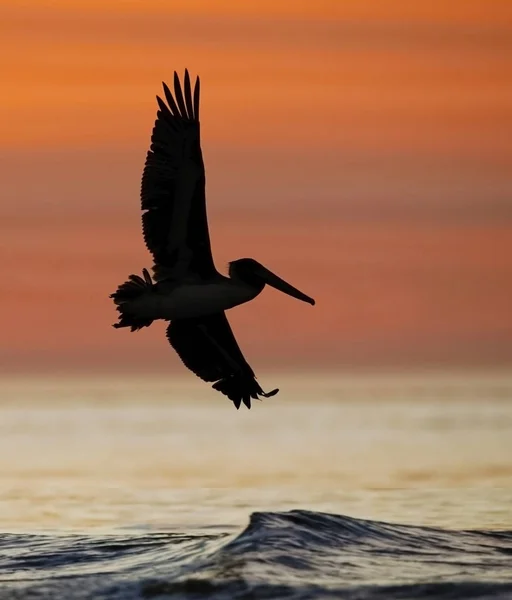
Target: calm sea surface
137	463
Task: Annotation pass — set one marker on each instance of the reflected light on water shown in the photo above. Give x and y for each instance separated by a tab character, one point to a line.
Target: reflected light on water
109	452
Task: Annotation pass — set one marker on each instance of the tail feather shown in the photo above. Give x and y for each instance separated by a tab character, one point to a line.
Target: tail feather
125	294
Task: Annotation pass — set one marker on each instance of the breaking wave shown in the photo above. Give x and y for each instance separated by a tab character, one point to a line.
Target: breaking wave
294	555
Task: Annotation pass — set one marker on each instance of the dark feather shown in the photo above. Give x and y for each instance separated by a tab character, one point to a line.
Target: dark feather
147	277
196	100
179	96
188	96
173	187
163	107
170	100
207	347
128	291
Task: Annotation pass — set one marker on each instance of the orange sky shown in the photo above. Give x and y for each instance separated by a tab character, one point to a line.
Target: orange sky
360	149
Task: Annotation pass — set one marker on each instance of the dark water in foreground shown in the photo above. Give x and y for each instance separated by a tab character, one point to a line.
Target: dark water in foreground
295	554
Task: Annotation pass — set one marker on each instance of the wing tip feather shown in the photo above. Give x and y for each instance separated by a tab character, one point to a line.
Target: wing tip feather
184	103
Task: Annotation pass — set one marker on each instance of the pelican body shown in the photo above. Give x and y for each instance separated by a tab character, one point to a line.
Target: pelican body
186	289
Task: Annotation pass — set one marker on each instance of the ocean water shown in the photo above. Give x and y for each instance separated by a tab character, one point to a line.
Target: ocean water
339	487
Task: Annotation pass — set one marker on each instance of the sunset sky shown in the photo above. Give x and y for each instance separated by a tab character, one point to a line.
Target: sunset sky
363	150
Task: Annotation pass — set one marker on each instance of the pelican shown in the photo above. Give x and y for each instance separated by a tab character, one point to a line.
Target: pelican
186	289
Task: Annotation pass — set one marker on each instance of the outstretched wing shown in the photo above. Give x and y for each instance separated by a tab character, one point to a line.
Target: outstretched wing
207	347
174	221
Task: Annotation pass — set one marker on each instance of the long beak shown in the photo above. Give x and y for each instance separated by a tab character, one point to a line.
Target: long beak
281	285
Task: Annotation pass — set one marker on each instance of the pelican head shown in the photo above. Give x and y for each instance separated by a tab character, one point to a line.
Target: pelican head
253	273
